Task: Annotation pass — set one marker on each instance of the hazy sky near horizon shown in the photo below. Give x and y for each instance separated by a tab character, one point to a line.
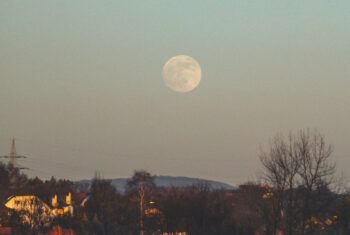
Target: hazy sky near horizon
81	86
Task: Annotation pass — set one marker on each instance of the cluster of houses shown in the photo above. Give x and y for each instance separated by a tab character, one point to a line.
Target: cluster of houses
30	208
31	205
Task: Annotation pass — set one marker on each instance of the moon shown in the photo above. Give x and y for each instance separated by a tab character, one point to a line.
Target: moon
182	73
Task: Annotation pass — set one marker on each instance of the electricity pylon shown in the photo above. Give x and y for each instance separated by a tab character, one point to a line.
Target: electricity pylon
13	157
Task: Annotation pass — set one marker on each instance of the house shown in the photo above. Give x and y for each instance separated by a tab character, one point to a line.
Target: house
33	210
30	208
66	209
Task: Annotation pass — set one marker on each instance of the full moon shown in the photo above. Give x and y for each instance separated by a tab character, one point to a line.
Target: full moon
182	73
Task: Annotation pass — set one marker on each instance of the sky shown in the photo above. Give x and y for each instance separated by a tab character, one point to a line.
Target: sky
81	84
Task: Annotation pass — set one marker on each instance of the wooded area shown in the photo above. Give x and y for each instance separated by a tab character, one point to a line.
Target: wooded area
296	194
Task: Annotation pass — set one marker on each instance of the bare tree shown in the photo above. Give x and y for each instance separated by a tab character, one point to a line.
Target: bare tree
142	182
300	163
316	170
281	165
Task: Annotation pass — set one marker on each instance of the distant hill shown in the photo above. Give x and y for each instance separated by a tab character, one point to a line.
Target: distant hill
166	181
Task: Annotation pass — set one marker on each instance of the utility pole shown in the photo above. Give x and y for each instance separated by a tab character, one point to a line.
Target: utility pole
13	157
12	165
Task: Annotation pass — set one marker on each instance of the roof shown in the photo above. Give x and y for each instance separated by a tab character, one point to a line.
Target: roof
21	202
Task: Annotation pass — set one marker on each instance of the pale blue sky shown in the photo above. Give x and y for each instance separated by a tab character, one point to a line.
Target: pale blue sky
81	85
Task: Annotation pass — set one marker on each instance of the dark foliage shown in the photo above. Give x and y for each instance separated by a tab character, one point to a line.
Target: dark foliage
296	200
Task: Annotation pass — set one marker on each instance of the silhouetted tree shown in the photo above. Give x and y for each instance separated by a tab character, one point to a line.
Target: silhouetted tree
101	207
297	169
142	183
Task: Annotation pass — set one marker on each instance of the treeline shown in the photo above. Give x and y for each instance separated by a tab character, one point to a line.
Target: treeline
296	194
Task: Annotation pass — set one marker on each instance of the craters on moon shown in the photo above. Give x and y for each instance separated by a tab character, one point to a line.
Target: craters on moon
182	73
